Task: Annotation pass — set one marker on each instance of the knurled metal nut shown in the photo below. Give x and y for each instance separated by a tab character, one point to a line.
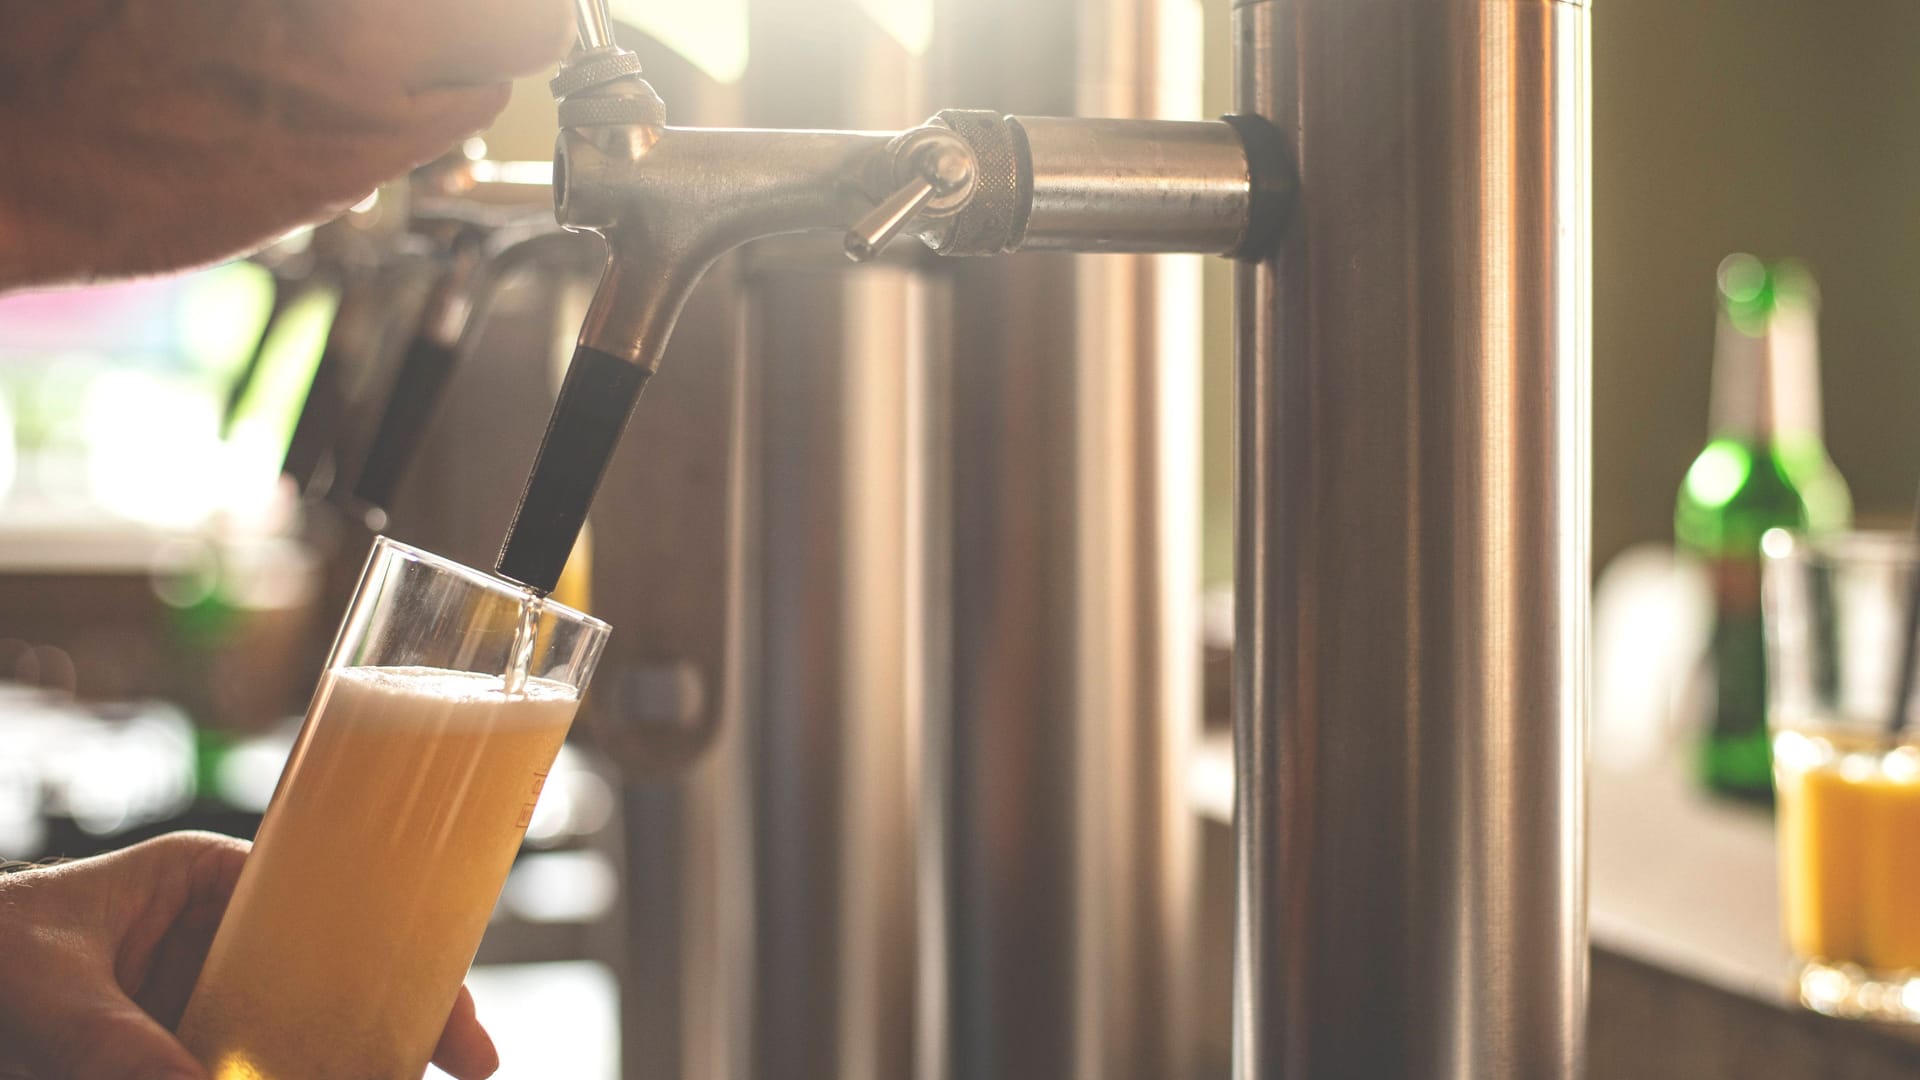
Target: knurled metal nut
593	71
994	217
609	112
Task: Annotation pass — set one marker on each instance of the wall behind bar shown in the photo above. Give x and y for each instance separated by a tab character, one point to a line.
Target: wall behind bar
1783	127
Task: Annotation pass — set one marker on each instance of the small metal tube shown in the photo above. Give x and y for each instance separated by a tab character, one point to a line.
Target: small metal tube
596	29
1135	185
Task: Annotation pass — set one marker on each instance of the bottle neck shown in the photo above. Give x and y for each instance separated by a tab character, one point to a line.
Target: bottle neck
1766	385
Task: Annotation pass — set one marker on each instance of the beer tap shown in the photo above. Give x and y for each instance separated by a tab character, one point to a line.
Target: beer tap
669	201
425	364
357	255
462	222
480	249
1411	457
416	270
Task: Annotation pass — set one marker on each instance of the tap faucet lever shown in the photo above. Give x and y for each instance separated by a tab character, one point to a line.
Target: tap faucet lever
871	233
940	178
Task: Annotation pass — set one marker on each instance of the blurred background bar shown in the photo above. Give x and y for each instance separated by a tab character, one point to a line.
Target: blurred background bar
1797	137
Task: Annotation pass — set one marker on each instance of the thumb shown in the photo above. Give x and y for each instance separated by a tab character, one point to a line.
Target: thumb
97	1033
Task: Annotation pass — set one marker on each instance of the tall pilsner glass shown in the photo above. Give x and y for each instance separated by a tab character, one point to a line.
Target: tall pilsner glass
442	706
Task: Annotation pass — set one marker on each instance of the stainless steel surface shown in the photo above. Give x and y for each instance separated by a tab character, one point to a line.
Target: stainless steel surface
596	29
1053	907
692	196
1001	866
661	703
1135	185
476	259
1137	564
834	710
671	202
1076	184
1007	882
1411	555
1063	885
871	233
835	355
1411	550
651	194
667	551
671	551
996	208
941	178
670	699
929	649
882	679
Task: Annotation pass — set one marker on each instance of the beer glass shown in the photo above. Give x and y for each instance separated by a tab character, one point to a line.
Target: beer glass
443	703
1846	768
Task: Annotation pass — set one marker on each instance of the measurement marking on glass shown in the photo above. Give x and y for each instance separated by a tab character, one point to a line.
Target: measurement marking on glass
526	811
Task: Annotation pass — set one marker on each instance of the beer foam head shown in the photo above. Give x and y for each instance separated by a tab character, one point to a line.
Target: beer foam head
445	686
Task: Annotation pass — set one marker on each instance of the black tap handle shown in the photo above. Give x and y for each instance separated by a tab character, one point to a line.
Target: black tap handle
309	458
249	373
595	401
417	389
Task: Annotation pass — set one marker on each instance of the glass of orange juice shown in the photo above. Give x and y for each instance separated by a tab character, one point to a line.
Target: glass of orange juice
1846	768
442	706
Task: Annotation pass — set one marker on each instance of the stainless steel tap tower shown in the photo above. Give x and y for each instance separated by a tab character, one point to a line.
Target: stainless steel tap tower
1405	185
1411	548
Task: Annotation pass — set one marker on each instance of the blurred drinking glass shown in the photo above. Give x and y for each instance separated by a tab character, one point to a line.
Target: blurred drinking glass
1846	772
442	706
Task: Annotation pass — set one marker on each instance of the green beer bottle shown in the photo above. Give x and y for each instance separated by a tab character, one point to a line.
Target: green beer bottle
1764	466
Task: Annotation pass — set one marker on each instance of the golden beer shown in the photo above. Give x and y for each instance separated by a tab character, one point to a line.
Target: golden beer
1849	823
376	868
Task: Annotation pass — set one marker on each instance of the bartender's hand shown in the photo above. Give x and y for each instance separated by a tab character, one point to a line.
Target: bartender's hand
151	136
97	958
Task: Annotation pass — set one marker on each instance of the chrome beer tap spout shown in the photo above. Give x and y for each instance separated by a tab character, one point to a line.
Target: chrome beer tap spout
669	201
